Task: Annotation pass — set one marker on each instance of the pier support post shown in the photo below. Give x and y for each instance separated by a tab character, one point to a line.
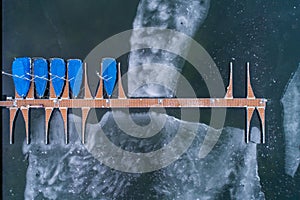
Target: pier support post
99	94
261	112
51	91
25	112
30	94
48	112
66	90
121	90
12	116
85	112
250	93
250	111
229	93
87	91
64	114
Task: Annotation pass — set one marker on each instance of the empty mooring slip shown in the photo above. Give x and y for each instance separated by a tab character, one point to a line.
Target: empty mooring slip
65	101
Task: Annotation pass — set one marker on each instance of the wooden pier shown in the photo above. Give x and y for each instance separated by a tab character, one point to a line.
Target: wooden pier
250	103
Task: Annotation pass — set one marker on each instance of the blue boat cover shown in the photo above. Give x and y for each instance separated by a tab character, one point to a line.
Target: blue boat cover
58	74
75	75
109	74
40	70
21	75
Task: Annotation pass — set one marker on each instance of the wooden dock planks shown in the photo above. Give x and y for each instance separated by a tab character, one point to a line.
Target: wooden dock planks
250	103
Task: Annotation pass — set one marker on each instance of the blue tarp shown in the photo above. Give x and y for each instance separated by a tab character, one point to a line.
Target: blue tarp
21	75
109	73
75	75
58	74
40	70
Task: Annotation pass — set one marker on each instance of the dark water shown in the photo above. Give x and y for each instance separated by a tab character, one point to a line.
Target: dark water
263	32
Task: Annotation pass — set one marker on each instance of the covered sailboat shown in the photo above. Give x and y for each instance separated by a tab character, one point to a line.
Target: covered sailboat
40	71
21	68
109	74
75	73
58	74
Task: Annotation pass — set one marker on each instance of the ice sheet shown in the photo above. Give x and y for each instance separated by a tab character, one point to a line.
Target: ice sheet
58	171
180	15
291	123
